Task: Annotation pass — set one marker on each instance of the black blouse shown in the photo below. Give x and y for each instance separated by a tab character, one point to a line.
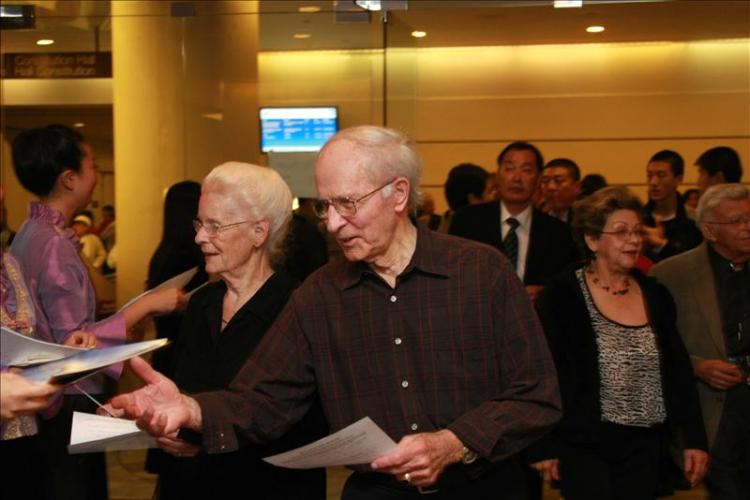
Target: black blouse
207	358
567	325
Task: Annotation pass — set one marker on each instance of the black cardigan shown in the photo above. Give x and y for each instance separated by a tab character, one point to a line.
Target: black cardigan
567	325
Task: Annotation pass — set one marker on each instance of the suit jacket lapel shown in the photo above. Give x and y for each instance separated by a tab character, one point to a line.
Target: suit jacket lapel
496	224
538	241
704	290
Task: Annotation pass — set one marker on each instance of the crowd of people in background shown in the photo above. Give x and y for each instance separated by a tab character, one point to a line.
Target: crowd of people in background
546	327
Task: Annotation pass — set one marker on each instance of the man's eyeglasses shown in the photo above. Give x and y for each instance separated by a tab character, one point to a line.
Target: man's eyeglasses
735	221
345	206
625	233
213	228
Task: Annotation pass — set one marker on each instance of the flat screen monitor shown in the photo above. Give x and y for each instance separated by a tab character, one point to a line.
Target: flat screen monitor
299	129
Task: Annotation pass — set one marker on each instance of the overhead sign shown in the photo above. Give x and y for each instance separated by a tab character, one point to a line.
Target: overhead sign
58	65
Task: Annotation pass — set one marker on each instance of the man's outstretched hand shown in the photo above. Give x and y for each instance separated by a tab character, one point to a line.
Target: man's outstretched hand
158	407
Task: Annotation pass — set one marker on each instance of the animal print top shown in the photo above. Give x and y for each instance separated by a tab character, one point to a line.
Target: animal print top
631	388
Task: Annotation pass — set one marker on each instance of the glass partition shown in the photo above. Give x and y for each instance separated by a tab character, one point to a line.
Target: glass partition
188	79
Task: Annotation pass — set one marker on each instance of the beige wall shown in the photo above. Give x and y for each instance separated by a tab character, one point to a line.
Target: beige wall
186	93
607	106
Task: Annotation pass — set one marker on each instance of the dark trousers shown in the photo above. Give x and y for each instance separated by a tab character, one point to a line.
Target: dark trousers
534	484
504	482
622	466
729	476
70	477
22	472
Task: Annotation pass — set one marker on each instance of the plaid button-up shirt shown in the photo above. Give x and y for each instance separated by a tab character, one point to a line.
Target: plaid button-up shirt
455	344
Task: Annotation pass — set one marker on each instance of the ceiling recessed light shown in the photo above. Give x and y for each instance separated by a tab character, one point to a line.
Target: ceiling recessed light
567	4
595	29
373	5
302	36
419	34
79	125
309	9
45	41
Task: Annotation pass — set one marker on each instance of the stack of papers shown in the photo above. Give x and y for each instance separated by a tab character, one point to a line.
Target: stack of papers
84	363
21	350
93	433
180	281
359	443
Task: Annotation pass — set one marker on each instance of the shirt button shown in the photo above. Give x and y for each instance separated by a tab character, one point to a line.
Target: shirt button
393	298
414	427
405	384
397	341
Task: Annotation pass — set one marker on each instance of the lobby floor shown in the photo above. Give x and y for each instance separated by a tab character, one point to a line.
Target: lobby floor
128	481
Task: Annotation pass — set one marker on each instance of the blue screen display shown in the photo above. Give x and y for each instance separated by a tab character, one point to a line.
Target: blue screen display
287	130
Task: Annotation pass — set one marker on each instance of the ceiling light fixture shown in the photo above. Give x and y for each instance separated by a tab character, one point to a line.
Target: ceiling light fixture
79	124
595	29
45	41
309	9
302	36
419	34
373	5
567	4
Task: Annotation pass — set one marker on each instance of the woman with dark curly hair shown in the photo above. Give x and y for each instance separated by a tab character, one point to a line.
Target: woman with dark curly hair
625	377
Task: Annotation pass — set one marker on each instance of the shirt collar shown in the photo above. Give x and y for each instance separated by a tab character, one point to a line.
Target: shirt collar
264	304
523	218
721	264
427	258
45	213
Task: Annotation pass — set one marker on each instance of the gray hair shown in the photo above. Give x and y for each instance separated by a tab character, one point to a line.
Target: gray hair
259	192
716	195
390	153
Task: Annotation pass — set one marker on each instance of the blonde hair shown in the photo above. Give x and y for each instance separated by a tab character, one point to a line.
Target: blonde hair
260	193
390	154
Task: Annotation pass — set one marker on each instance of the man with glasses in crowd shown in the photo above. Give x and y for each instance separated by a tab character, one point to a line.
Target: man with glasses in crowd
711	287
561	186
429	335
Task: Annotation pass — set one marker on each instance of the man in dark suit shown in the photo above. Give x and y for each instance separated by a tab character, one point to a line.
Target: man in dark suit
538	245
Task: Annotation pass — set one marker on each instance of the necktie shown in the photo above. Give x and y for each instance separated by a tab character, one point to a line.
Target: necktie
511	241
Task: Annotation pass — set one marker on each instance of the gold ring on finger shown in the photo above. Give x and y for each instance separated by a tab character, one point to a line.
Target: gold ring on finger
407	477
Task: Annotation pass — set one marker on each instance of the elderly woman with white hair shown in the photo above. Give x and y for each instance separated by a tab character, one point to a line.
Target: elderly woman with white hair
243	215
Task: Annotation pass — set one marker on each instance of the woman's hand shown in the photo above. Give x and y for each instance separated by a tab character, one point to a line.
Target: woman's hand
19	397
165	301
696	465
154	303
548	469
79	338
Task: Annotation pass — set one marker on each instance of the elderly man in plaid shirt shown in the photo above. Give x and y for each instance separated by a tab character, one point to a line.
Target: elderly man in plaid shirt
430	335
